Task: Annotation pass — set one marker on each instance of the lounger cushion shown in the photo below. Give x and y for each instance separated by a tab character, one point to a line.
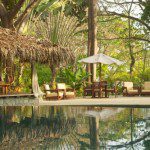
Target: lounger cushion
51	94
61	86
60	93
129	85
146	85
146	91
46	86
132	91
70	93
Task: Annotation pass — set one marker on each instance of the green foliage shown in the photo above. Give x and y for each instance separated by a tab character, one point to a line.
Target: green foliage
48	6
25	79
44	74
77	8
146	11
145	75
10	4
59	20
73	77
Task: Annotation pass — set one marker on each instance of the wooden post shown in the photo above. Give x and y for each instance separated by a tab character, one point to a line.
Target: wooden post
100	72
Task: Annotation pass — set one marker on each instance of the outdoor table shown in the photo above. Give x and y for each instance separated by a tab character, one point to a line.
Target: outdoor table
99	87
5	87
103	87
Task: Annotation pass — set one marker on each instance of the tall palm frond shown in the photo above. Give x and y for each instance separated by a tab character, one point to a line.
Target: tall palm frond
60	30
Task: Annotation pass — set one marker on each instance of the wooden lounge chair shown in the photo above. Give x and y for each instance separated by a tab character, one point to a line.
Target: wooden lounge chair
145	90
129	90
52	94
67	92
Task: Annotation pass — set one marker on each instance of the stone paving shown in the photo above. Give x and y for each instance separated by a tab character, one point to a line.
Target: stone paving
119	101
18	102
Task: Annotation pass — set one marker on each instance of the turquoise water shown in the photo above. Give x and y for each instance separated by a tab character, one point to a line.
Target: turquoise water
71	128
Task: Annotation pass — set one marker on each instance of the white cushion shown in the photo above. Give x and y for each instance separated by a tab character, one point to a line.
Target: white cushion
51	94
145	90
70	93
146	85
46	86
132	91
48	92
61	93
61	86
129	85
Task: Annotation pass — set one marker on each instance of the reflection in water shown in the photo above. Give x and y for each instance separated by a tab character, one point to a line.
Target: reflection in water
44	127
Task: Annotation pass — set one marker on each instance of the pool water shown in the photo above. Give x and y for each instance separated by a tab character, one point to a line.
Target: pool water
71	128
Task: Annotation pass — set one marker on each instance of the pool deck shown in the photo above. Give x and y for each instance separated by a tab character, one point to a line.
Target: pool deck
108	102
116	102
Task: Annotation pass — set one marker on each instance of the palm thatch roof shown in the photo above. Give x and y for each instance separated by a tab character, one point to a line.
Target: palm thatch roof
29	49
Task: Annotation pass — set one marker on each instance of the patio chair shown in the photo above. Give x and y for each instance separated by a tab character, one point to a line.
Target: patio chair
145	90
52	94
67	92
87	90
98	88
130	90
113	90
103	87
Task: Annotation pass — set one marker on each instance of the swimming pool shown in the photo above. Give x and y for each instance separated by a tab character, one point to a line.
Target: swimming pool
68	127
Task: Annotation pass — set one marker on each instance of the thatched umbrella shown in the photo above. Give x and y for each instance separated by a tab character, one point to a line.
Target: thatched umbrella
30	49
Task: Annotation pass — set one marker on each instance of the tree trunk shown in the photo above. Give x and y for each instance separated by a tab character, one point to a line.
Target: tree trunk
1	66
53	79
130	49
9	69
35	85
129	42
8	17
92	36
144	60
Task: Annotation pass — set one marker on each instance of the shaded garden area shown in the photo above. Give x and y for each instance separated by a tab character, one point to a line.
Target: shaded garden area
71	30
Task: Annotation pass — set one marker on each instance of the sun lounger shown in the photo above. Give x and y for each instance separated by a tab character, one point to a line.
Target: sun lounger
130	90
145	90
52	94
67	92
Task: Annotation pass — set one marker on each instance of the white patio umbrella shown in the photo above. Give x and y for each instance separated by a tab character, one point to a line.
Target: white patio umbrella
101	59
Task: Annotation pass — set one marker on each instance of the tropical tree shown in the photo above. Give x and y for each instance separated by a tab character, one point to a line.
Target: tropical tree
92	35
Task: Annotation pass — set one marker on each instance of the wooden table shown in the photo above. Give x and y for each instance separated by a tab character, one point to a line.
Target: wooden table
5	87
99	87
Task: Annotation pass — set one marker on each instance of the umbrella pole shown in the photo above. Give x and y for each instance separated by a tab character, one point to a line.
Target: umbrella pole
100	71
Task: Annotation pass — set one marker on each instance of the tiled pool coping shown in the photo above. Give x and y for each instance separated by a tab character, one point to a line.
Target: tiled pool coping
116	102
